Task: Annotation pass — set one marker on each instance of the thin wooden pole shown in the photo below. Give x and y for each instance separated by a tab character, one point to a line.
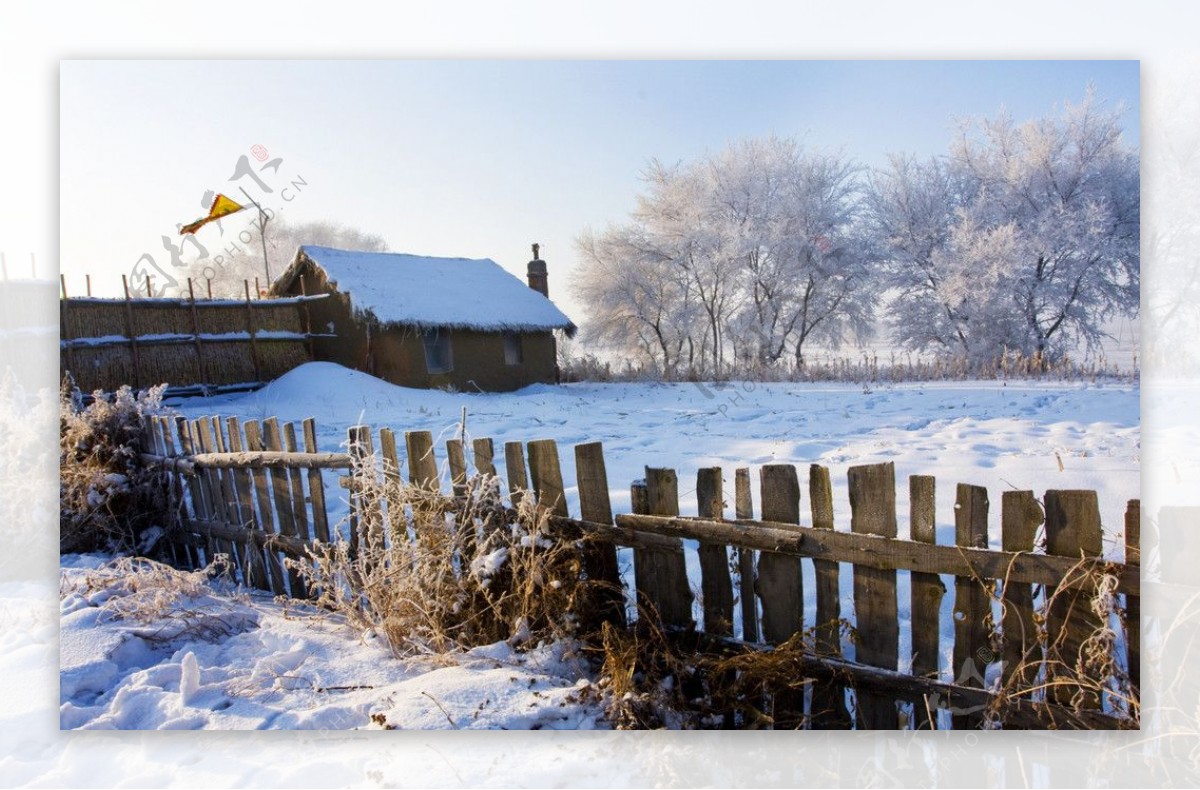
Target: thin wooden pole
133	346
196	334
250	329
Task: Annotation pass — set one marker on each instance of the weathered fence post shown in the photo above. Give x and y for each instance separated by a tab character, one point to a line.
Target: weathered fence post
781	583
284	501
316	486
514	466
256	567
744	509
457	459
715	583
262	491
828	710
397	523
1133	603
660	573
600	557
366	509
1020	516
546	476
873	512
972	600
422	464
484	453
1072	530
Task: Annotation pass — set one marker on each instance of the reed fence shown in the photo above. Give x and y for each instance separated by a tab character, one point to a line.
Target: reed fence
257	492
188	343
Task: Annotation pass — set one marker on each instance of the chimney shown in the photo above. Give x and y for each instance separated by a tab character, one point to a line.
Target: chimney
537	274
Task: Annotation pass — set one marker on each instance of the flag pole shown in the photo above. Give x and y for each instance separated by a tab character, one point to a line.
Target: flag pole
262	232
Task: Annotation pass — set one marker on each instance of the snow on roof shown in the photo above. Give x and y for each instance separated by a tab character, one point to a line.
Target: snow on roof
425	291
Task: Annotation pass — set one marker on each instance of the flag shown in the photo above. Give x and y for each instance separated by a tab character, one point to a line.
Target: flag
220	207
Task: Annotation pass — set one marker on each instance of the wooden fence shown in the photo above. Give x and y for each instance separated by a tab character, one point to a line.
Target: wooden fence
1023	614
187	342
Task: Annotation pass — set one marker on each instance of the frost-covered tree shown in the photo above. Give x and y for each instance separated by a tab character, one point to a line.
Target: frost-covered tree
1024	238
761	249
634	302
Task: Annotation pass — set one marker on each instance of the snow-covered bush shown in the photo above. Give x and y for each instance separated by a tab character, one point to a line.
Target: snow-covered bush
109	500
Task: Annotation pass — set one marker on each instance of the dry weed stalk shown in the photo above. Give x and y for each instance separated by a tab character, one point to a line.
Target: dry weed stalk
1079	676
447	573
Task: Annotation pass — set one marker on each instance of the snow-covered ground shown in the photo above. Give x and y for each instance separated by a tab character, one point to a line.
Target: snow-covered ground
262	666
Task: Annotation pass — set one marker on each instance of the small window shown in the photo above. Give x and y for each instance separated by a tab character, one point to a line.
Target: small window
438	358
512	349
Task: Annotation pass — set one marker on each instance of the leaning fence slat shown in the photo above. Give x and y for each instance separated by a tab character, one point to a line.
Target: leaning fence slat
873	511
715	583
600	557
181	493
972	600
744	509
367	508
1072	530
828	710
256	571
1020	516
214	506
213	440
281	490
397	521
152	438
1133	603
299	501
661	573
262	492
484	454
780	584
316	486
514	463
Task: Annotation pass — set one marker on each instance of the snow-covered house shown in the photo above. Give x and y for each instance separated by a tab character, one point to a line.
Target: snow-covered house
429	322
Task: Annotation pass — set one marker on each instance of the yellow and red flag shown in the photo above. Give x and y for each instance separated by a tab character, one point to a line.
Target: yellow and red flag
220	208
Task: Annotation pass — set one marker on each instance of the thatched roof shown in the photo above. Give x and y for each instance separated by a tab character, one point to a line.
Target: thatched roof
459	293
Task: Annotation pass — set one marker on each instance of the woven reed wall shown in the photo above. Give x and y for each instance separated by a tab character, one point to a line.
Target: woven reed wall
211	360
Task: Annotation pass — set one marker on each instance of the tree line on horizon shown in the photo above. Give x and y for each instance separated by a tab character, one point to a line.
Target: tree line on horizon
1022	239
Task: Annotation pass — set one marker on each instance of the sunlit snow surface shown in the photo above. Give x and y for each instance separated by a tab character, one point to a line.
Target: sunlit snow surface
265	667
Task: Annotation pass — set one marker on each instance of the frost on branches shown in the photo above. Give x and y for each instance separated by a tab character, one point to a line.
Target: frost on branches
108	499
743	256
1024	239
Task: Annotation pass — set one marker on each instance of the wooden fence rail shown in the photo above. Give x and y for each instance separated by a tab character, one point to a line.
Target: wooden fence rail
1020	616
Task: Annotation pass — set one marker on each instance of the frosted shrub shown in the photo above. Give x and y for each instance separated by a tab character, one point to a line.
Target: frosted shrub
109	500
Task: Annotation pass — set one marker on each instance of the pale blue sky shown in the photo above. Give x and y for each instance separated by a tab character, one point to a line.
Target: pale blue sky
480	158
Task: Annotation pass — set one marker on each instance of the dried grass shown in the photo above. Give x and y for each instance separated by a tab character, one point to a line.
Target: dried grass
435	574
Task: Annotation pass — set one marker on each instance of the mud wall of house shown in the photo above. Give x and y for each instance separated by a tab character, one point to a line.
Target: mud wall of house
478	360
